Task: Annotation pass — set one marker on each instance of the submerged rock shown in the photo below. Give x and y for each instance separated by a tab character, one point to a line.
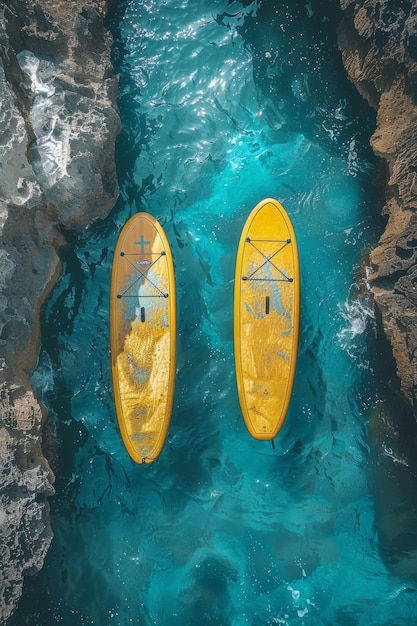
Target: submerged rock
393	473
378	40
58	125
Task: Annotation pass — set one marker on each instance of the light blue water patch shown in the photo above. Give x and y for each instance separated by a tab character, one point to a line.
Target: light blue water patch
223	103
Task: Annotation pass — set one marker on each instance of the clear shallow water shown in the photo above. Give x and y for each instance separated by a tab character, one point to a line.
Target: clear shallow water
224	103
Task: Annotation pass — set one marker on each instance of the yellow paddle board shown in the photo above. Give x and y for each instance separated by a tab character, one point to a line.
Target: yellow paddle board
142	336
266	318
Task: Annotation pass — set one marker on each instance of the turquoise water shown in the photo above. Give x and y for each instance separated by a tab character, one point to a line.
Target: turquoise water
225	103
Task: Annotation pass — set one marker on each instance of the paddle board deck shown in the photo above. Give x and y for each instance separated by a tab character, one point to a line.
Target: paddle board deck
142	336
266	318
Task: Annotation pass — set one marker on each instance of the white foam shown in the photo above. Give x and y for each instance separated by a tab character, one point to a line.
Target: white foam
356	313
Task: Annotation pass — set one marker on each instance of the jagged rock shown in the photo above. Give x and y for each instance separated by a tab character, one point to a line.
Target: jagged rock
58	125
378	40
62	57
25	532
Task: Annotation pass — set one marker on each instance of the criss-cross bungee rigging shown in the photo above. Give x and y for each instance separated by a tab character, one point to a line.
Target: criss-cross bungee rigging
285	242
144	275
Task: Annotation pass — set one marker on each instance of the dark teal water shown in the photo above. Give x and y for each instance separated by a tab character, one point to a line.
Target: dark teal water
225	103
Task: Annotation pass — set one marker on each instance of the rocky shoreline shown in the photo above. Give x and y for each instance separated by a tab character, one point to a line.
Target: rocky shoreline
378	40
59	123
